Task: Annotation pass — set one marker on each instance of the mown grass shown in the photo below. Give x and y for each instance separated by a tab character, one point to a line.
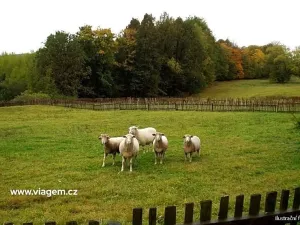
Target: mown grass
251	88
57	148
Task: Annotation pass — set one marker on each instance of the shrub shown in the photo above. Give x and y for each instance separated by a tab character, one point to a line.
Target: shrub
31	96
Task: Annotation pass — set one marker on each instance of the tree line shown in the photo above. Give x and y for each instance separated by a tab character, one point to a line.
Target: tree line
148	58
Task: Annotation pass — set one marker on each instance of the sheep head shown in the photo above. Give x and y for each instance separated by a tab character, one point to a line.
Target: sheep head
158	136
187	138
132	130
129	138
104	138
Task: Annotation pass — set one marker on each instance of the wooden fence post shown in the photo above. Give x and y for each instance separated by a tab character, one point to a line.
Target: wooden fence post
223	210
189	213
284	201
152	216
296	202
205	210
170	215
137	216
254	204
50	223
270	202
93	222
239	205
71	223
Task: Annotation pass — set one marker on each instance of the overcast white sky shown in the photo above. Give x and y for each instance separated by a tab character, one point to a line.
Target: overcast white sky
25	24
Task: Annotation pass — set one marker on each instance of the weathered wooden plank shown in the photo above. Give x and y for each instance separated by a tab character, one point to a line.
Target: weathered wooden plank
170	215
296	202
94	222
270	202
205	210
152	216
254	204
223	210
284	200
189	213
71	223
50	223
239	206
137	216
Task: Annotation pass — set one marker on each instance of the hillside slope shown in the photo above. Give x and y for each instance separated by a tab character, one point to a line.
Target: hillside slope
251	88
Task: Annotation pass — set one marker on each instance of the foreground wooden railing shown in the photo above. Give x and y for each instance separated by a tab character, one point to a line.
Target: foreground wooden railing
254	216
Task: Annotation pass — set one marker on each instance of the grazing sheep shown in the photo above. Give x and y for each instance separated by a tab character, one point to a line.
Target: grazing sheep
191	144
111	146
128	148
144	136
160	146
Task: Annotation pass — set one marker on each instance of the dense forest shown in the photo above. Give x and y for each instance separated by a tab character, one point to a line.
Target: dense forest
164	57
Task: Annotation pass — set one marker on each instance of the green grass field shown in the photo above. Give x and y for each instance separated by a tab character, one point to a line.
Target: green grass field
58	148
251	88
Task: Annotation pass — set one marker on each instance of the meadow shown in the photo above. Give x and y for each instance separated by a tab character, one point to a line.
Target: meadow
251	88
50	147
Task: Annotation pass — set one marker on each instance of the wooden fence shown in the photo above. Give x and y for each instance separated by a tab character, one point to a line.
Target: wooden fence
270	216
241	105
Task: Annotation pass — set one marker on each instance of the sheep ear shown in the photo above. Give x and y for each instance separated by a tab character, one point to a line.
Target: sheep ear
163	134
153	134
184	136
133	136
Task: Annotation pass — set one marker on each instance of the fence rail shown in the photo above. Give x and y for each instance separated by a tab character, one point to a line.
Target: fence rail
270	216
241	105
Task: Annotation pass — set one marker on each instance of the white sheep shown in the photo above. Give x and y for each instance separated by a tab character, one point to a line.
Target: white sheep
129	149
160	146
191	144
144	136
111	146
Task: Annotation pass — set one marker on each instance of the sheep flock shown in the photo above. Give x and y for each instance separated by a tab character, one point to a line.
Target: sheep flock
130	144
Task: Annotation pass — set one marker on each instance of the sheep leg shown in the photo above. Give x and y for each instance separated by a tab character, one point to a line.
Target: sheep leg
114	159
104	157
190	157
151	146
123	162
185	158
155	158
131	164
161	157
135	160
